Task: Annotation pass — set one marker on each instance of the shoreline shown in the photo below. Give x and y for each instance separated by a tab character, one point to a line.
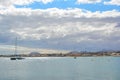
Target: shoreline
58	56
71	54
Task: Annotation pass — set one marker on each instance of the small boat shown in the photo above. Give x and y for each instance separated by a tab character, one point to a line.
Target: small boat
75	57
16	57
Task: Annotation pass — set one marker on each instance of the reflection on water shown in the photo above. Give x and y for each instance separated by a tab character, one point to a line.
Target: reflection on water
51	68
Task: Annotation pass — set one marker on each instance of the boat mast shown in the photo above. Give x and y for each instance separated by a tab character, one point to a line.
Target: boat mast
16	57
16	46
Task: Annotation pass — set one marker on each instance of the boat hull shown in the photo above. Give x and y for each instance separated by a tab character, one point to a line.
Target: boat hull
16	58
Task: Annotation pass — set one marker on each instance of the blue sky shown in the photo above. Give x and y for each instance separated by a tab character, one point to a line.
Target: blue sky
76	25
72	4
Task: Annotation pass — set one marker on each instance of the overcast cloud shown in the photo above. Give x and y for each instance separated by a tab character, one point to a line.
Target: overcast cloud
68	29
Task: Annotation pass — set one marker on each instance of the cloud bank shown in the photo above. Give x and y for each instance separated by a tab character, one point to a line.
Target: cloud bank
62	29
68	29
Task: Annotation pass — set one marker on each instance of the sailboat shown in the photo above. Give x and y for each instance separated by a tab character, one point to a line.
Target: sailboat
16	57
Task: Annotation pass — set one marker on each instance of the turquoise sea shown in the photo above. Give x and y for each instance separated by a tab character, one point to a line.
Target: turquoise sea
61	68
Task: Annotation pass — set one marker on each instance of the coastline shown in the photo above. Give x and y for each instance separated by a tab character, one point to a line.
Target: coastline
66	55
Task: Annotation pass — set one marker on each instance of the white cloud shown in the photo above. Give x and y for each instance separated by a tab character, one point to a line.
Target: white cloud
68	28
88	1
112	2
8	3
46	1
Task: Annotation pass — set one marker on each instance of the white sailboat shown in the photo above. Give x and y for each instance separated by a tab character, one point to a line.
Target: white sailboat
16	57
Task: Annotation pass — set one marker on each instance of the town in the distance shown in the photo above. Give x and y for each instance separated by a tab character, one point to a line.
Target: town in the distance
67	54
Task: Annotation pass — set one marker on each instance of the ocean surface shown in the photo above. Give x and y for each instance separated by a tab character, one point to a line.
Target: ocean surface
58	68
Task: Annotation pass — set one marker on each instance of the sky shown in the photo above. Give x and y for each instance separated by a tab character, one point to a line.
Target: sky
76	25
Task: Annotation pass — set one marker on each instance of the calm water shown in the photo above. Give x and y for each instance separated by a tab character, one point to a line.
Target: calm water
83	68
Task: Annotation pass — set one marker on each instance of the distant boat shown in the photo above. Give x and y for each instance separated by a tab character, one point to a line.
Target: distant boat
75	57
16	57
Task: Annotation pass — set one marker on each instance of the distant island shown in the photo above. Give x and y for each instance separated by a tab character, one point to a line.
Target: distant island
69	54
